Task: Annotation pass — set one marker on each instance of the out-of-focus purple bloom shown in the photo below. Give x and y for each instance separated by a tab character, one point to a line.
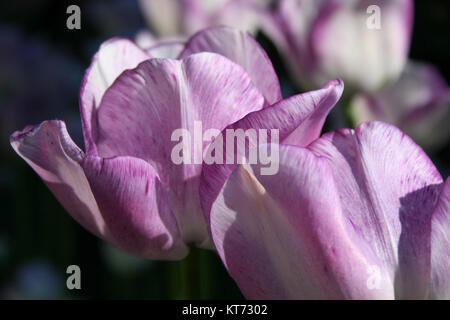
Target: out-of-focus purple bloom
185	17
325	39
125	188
358	214
418	103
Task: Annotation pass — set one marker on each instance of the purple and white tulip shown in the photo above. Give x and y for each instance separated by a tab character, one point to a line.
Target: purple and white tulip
358	214
326	39
124	187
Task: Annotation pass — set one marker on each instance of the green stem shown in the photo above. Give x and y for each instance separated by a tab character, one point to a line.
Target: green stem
195	275
349	119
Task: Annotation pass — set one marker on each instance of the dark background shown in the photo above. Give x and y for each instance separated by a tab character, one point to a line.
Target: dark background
41	67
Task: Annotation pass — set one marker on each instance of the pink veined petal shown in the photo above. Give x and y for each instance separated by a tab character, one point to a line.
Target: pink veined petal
388	188
113	57
49	150
134	206
241	48
146	105
440	244
299	120
284	236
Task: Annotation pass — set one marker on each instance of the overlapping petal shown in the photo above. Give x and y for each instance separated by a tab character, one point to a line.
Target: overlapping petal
147	104
134	206
298	119
365	207
113	57
119	200
130	111
285	236
390	188
242	48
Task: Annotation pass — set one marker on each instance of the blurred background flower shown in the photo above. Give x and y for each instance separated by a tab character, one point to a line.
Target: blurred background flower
326	39
366	43
42	64
185	17
418	103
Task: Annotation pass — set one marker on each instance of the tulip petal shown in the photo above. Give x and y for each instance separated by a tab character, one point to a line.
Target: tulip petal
146	105
285	237
48	149
390	188
133	203
440	244
113	57
299	120
242	48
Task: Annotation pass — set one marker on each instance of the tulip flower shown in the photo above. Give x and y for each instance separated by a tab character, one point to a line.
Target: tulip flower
418	103
124	187
185	17
358	214
363	42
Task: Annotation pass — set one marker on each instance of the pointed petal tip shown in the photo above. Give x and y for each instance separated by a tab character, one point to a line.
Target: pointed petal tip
337	85
31	129
20	134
